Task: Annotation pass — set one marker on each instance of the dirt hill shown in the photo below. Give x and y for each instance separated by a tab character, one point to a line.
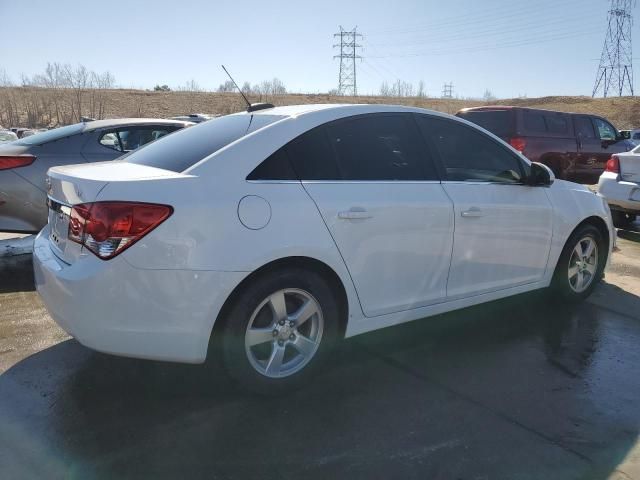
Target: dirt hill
47	107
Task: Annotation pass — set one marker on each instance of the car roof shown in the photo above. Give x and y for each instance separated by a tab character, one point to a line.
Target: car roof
119	122
345	109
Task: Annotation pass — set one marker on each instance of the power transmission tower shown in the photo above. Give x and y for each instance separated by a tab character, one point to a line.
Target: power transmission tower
615	72
347	84
447	90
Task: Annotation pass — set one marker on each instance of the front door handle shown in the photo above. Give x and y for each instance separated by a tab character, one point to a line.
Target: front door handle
473	212
354	213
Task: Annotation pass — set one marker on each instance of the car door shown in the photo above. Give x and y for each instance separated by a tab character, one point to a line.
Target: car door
503	227
109	144
379	194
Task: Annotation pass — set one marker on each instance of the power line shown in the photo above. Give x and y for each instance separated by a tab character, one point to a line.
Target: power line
615	71
493	46
347	80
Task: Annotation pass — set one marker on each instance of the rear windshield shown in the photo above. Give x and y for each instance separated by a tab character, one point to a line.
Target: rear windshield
51	135
497	122
185	148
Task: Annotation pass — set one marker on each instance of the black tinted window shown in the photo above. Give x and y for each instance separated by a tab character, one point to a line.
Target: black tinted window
188	146
276	167
584	127
534	122
469	155
557	123
311	156
380	147
498	122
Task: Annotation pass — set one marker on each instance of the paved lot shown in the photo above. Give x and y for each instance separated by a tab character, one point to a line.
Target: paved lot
516	389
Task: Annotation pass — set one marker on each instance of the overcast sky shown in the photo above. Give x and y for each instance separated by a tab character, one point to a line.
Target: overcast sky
533	48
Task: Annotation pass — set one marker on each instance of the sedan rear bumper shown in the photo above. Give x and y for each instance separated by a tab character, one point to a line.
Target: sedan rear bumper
620	195
115	308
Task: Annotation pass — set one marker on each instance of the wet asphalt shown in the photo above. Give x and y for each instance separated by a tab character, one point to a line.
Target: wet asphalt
517	389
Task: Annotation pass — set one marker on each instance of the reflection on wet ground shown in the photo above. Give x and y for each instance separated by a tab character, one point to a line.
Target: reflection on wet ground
514	389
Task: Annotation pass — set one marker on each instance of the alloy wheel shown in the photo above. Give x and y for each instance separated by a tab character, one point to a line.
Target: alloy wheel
583	264
284	333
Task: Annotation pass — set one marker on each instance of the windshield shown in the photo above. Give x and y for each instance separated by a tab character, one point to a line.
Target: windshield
7	136
185	148
497	122
51	135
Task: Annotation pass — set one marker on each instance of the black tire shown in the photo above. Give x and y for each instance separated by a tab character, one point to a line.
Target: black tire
236	359
561	284
622	219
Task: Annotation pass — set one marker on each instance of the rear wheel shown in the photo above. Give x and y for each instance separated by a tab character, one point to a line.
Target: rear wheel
581	264
279	330
622	219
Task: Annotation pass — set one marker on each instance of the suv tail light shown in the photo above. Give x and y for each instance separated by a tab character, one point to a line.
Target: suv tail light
108	228
518	143
613	164
15	161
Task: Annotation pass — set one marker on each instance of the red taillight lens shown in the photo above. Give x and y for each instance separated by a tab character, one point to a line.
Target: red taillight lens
15	161
613	164
107	228
518	143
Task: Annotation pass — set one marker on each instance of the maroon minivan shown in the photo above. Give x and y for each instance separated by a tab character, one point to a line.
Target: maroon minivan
575	146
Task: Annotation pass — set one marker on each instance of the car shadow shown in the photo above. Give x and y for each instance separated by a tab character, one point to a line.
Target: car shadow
485	392
16	274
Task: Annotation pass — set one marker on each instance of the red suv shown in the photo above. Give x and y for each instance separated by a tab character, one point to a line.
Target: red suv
575	146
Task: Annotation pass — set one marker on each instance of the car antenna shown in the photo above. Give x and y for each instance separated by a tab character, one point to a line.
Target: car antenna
251	107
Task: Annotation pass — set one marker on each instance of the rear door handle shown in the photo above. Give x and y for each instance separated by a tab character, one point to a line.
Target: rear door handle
473	212
354	213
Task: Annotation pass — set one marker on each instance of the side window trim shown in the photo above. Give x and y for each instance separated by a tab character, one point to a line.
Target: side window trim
441	165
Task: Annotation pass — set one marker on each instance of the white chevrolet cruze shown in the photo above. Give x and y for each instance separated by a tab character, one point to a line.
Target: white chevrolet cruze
268	235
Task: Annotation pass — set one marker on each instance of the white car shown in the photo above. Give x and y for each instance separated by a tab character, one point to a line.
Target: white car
620	185
269	235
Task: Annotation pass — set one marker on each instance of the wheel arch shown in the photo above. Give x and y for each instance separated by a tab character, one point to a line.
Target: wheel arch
306	263
599	223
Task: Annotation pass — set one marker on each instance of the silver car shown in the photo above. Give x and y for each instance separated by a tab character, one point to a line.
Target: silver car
24	162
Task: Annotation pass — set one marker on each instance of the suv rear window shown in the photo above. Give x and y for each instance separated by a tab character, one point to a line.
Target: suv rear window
498	122
185	148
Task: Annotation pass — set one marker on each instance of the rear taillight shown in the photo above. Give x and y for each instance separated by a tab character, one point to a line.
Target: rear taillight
613	164
518	143
107	228
15	161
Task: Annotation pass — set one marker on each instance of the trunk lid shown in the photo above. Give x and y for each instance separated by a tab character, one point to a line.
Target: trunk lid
629	167
70	185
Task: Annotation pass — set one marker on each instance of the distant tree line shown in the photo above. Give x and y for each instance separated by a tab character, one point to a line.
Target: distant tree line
60	95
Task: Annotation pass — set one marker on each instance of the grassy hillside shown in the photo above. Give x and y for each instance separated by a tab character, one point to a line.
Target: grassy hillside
37	106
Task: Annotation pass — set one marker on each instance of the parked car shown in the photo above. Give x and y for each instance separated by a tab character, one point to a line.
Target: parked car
270	235
7	136
620	185
633	135
28	132
194	117
575	146
24	163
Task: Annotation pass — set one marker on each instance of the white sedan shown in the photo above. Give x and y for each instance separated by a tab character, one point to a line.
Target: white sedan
269	235
620	185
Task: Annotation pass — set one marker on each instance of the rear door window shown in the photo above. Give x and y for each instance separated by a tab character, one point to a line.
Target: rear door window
584	127
380	147
557	123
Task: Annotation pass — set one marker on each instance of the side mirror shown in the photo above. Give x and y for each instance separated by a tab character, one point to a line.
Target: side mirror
540	176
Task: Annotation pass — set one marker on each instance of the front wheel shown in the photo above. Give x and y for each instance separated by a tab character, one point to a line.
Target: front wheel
581	264
279	330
